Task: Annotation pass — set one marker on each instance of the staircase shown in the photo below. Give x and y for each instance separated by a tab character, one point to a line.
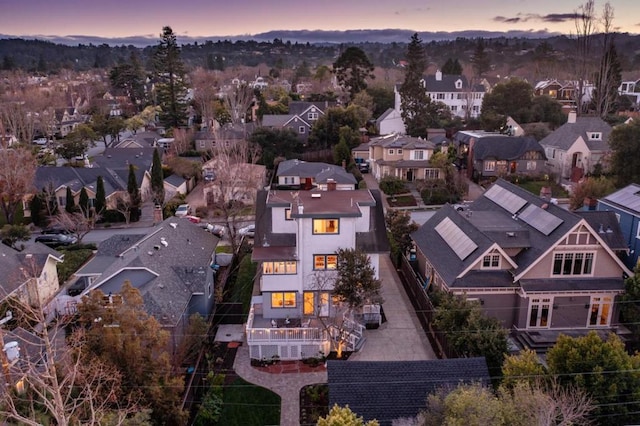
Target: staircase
352	334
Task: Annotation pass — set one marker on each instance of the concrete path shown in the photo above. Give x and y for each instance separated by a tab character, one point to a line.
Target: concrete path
286	385
401	337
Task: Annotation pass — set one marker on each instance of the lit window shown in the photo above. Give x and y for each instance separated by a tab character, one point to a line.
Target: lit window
489	166
572	264
539	314
600	311
287	214
288	267
325	262
531	165
283	300
326	226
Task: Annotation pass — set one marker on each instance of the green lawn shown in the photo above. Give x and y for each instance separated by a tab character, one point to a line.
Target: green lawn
246	404
534	187
73	260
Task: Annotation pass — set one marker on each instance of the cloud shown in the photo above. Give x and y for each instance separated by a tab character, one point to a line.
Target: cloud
550	18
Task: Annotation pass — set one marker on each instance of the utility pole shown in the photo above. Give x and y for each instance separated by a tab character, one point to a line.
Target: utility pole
3	354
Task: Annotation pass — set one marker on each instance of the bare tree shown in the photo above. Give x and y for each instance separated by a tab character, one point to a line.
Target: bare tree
54	378
17	172
124	204
77	223
206	86
238	100
608	76
182	141
238	178
585	23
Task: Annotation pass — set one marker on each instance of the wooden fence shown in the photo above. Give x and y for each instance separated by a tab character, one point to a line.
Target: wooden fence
414	286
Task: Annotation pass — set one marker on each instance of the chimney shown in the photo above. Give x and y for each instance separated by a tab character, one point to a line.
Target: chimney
545	193
331	185
572	117
438	75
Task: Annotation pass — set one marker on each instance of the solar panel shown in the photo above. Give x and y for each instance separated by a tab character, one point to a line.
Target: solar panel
459	242
540	219
505	198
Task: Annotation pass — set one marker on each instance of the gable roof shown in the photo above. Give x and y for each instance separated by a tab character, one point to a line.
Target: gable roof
301	107
388	390
319	171
15	264
568	133
626	199
394	140
505	147
505	214
168	266
448	84
606	225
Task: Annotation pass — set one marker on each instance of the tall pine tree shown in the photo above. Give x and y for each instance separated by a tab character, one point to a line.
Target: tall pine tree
413	95
70	203
157	179
101	198
83	202
134	194
480	59
169	73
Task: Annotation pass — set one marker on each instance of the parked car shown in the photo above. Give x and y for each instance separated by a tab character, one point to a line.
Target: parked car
193	219
40	141
56	240
183	210
209	176
217	230
56	230
248	231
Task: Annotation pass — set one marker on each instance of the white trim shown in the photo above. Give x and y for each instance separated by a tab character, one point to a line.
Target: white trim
562	238
480	257
540	303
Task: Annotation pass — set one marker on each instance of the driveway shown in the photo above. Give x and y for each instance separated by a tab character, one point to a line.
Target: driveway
401	337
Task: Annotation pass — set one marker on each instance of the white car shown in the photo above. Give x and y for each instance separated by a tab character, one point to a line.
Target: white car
183	210
217	230
248	231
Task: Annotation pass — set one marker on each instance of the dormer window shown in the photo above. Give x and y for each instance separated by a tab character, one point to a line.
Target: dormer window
491	261
458	84
594	136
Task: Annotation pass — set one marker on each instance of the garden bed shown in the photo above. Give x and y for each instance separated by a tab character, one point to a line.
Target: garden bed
402	201
314	403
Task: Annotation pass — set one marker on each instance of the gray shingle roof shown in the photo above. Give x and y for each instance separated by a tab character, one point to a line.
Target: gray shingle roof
319	171
388	390
568	133
448	84
606	225
627	198
483	221
505	147
175	272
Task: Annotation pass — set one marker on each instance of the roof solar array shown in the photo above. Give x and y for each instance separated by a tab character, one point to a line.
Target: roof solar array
505	198
459	242
540	219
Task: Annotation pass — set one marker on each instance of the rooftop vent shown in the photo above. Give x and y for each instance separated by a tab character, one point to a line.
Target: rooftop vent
511	234
173	225
164	243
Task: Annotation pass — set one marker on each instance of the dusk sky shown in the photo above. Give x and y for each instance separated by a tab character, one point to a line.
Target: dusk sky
216	18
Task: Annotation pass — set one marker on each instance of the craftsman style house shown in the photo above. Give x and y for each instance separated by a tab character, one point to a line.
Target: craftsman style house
404	157
540	269
297	237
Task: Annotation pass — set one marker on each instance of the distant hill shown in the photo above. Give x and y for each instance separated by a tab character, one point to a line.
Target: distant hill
520	54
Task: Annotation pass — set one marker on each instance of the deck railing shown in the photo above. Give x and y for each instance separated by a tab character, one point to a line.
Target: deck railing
277	335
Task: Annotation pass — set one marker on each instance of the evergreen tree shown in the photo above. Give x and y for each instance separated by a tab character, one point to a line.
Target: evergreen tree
134	194
157	179
452	67
36	208
83	202
480	59
352	68
414	99
101	199
169	72
70	204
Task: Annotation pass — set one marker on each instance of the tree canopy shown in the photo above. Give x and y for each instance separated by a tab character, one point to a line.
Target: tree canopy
356	283
513	98
414	99
603	369
169	73
625	145
352	69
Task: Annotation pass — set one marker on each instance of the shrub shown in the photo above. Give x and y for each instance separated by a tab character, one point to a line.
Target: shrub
391	185
112	216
